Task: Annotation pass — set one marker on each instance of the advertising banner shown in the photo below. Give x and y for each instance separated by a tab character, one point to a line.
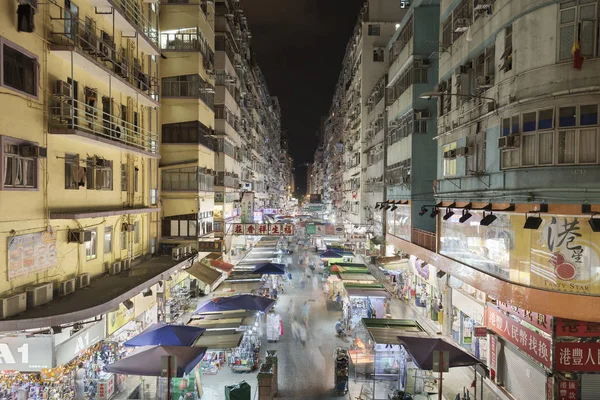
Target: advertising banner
562	255
26	354
76	344
541	321
532	343
577	357
468	306
248	207
215	246
31	253
117	319
571	328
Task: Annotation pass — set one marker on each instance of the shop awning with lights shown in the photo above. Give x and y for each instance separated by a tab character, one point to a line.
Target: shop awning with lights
222	265
227	339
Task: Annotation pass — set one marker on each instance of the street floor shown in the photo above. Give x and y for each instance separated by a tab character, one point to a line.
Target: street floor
306	371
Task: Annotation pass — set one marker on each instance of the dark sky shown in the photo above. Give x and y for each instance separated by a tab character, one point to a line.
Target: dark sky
299	45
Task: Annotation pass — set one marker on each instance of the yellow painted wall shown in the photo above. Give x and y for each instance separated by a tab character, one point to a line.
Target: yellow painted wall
182	16
181	110
175	153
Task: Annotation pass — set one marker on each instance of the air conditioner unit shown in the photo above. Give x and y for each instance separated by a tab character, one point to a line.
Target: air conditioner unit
82	280
126	264
114	268
482	4
79	236
33	151
461	24
422	62
62	111
62	88
464	151
421	114
462	69
509	142
39	294
449	154
12	304
484	82
176	253
66	287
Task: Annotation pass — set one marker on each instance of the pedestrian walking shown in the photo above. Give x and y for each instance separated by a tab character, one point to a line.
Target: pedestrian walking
305	312
315	282
295	328
302	333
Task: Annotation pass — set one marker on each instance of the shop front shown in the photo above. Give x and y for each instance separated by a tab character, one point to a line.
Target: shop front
364	301
425	288
520	357
467	315
577	359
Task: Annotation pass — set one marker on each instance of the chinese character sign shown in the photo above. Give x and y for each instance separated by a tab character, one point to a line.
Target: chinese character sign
571	328
577	357
541	321
568	390
263	229
248	207
532	343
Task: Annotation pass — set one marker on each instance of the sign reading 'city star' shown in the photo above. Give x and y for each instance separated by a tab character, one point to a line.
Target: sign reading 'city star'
264	229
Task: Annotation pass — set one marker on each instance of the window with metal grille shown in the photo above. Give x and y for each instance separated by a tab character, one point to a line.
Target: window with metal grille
19	69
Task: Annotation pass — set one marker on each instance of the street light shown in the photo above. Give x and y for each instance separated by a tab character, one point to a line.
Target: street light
430	95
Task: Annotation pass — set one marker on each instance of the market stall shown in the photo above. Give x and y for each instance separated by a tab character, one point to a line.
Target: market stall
379	362
365	301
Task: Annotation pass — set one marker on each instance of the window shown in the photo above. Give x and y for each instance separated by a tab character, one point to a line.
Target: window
476	155
91	247
74	174
17	172
378	54
136	232
124	177
577	20
449	165
123	240
188	132
572	140
153	196
507	54
99	173
108	239
19	69
374	30
136	174
405	36
415	73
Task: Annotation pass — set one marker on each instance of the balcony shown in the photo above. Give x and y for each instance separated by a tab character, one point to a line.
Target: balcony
189	40
186	226
192	132
86	122
189	86
424	239
95	51
132	20
188	179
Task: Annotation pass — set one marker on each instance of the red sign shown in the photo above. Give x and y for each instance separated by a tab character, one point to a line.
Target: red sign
288	229
493	356
568	390
275	229
572	328
524	338
549	388
480	331
576	357
541	321
263	229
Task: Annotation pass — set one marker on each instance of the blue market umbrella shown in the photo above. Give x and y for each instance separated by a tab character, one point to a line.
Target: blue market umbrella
270	269
148	361
239	302
330	254
166	335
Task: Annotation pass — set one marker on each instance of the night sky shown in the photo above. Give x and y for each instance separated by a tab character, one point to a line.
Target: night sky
299	46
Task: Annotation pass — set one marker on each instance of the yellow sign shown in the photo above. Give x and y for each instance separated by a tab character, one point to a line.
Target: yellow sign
142	303
562	255
117	319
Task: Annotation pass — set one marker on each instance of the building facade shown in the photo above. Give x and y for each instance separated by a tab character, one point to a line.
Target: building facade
481	142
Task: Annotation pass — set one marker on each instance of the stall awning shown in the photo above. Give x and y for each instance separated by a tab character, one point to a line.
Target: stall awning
357	277
222	265
422	348
355	292
220	339
203	273
227	323
386	331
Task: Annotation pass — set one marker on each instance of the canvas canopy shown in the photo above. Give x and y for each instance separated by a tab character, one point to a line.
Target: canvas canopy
270	269
237	302
421	349
148	361
166	335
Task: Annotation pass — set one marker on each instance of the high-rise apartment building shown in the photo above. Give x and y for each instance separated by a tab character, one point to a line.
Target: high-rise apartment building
488	122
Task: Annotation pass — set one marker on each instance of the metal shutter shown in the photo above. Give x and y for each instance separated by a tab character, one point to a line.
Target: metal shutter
590	386
523	378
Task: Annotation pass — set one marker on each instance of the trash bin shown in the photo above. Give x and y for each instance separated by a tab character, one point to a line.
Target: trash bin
240	391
